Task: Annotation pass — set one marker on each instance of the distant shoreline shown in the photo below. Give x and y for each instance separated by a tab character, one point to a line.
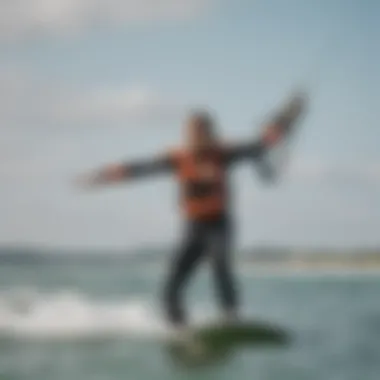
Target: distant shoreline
341	266
261	258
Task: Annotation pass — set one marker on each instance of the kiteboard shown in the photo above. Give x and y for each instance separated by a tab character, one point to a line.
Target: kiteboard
214	342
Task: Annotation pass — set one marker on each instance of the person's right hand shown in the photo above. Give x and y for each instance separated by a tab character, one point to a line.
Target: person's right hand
107	175
87	181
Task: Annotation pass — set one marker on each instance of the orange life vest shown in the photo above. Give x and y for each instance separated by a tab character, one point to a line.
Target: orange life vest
202	183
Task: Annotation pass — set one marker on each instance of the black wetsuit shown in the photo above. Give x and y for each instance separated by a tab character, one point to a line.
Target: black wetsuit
201	238
211	238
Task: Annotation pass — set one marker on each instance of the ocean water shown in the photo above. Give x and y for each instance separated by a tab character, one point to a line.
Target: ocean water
62	320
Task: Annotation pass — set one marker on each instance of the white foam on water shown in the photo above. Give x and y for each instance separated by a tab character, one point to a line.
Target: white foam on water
68	315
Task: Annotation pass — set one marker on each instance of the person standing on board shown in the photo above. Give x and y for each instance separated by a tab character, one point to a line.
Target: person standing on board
201	167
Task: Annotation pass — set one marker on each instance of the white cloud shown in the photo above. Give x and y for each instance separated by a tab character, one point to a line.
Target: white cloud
27	101
25	18
114	105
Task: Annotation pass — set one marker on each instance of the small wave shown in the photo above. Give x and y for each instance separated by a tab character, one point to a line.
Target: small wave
67	315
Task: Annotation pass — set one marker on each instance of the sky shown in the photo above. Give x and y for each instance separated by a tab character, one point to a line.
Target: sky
84	83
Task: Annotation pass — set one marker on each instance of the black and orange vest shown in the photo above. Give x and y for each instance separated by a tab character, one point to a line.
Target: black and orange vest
202	182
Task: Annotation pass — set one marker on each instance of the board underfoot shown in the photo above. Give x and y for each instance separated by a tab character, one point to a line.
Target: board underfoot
215	341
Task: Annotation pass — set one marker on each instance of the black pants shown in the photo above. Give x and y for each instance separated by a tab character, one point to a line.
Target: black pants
212	238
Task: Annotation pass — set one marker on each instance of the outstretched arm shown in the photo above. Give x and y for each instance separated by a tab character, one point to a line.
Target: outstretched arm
274	132
116	173
256	148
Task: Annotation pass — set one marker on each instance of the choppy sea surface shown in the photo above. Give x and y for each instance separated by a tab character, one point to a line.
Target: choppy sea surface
62	320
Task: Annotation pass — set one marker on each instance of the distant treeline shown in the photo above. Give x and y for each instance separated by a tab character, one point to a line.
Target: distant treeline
16	255
283	255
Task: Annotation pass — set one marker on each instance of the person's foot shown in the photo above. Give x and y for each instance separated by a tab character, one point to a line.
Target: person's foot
187	338
182	333
230	317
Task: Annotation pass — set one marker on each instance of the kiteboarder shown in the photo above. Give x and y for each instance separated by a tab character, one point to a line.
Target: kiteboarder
201	167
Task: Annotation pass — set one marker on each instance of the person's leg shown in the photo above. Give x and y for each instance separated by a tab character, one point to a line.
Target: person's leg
184	263
221	236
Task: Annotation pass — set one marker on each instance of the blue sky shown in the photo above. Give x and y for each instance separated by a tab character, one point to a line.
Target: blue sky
84	83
